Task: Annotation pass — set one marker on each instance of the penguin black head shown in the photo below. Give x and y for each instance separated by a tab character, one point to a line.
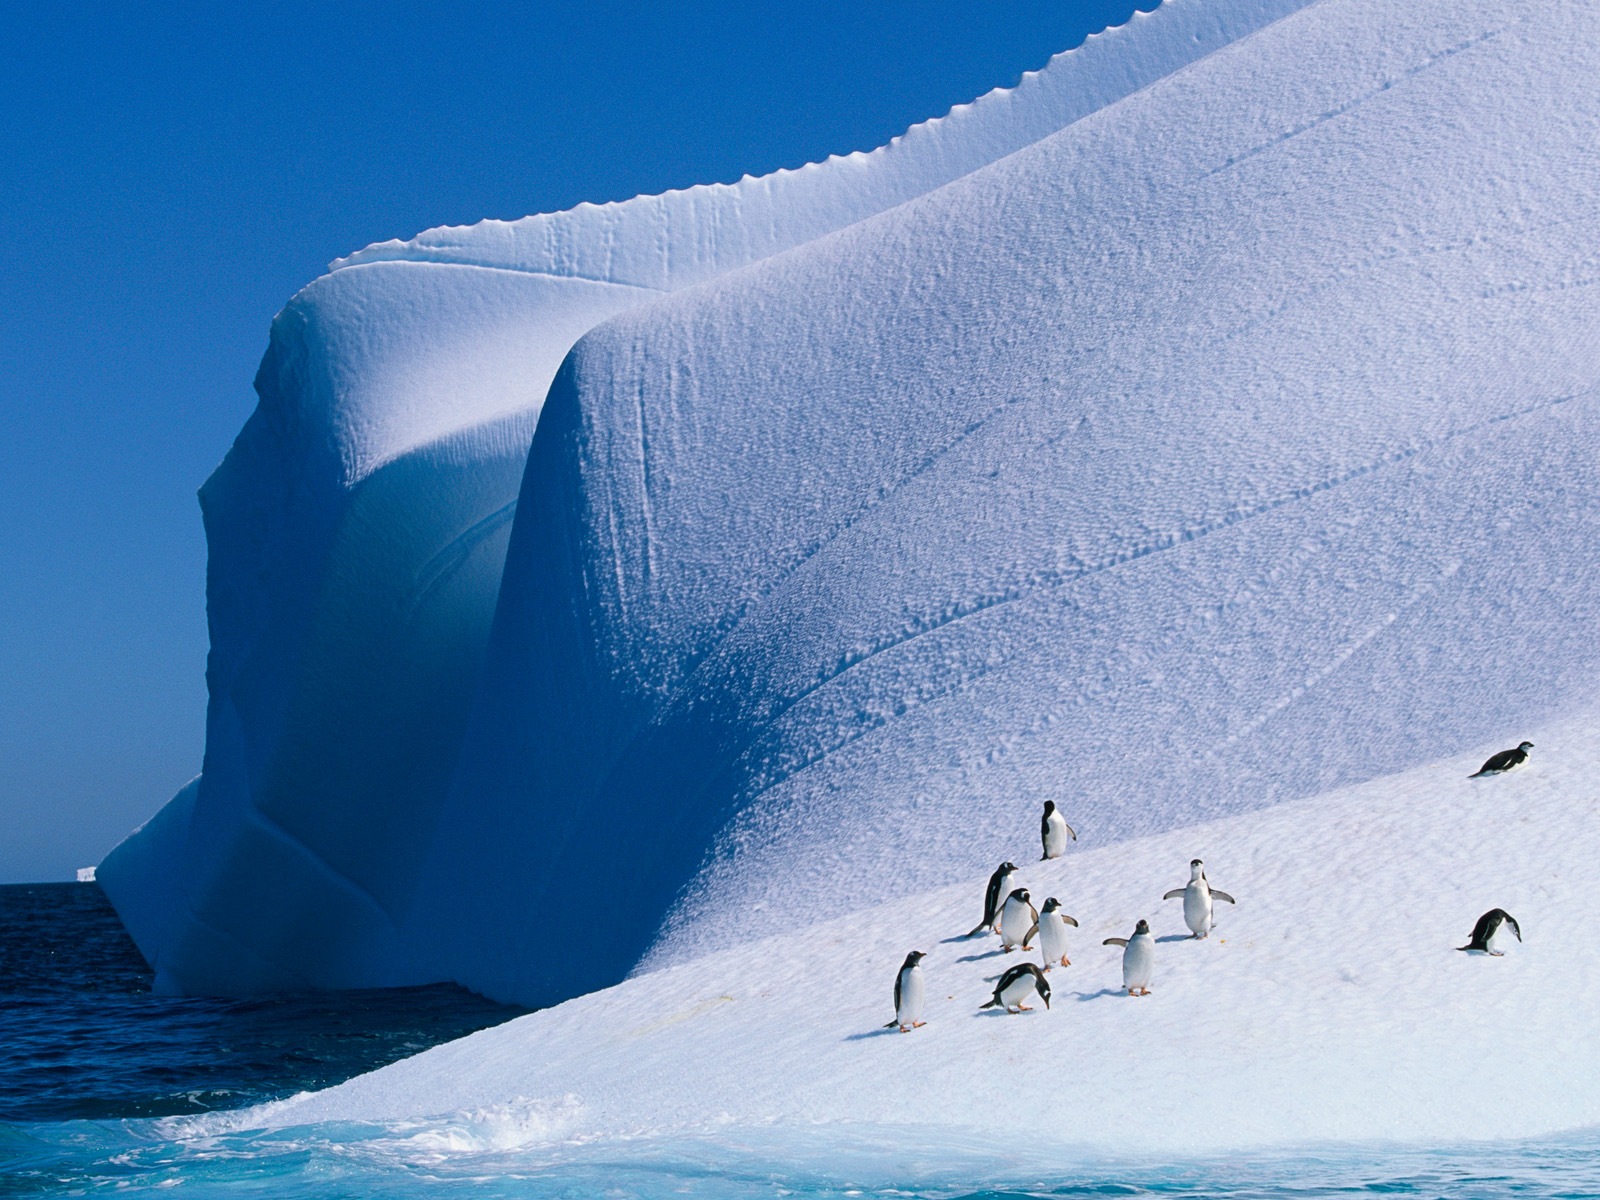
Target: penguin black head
1043	985
912	959
1142	927
1525	747
1195	862
1008	866
1020	894
1051	904
1049	807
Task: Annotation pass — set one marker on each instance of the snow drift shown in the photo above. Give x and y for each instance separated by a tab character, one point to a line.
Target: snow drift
1329	1004
1198	432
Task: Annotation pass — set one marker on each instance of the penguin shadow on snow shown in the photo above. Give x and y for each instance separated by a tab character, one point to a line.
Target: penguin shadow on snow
1080	997
870	1033
995	953
1175	937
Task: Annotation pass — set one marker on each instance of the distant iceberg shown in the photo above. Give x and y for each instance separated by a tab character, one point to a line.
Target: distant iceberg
1205	423
86	874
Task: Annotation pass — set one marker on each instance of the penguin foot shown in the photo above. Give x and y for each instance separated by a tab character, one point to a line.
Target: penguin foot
918	1024
1065	961
1497	954
1024	1008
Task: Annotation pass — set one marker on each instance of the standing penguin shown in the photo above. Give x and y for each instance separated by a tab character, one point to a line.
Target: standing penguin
1138	958
1487	929
1197	898
1054	832
1001	884
1015	985
909	992
1052	931
1018	919
1506	760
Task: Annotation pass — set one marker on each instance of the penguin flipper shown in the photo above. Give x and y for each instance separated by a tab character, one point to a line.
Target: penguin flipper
1073	833
1176	892
1028	937
1115	942
1070	920
1216	895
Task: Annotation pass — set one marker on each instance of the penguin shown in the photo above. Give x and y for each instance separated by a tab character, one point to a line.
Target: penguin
909	992
1054	832
1018	919
1001	884
1015	985
1506	760
1197	898
1487	928
1138	958
1052	931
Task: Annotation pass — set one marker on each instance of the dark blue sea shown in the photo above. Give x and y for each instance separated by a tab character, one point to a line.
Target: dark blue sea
108	1090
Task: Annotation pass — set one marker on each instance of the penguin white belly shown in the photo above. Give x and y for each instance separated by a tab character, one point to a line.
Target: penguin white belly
1138	962
1015	922
1053	940
1197	909
1055	836
912	994
1019	992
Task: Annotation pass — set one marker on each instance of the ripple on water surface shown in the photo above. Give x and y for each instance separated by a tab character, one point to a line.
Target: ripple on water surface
476	1153
81	1035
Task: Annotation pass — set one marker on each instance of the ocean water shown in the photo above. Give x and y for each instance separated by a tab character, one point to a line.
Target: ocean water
81	1036
107	1090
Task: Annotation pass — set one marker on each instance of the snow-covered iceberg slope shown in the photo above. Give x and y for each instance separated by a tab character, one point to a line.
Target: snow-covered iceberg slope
1329	1004
1227	442
358	526
1237	442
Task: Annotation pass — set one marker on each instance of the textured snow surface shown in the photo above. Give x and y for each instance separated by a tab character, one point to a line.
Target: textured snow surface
1236	443
358	526
1329	1004
1228	438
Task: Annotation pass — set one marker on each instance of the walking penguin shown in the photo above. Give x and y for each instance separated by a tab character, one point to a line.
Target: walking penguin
1018	920
1015	985
1054	832
1138	958
1052	931
1487	929
910	990
1197	898
1001	885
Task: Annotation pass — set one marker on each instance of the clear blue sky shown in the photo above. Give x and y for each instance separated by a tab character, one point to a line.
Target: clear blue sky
170	175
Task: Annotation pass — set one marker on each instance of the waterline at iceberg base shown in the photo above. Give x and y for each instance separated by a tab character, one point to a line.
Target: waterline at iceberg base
677	649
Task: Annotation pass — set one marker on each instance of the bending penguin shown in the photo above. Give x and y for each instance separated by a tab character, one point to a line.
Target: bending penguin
1001	884
1018	919
1015	985
1197	897
1487	929
1052	930
910	989
1138	958
1054	832
1506	760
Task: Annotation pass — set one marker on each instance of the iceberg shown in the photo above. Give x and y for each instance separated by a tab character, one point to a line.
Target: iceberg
358	525
1205	425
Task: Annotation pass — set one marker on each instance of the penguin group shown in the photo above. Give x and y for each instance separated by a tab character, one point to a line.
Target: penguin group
1008	911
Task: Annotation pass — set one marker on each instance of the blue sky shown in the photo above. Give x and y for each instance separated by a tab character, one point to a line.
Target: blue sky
170	175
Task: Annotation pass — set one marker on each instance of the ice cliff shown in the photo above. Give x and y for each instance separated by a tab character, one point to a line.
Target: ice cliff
1205	423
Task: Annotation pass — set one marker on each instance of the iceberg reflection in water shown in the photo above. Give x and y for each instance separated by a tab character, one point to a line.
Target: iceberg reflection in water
499	1153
